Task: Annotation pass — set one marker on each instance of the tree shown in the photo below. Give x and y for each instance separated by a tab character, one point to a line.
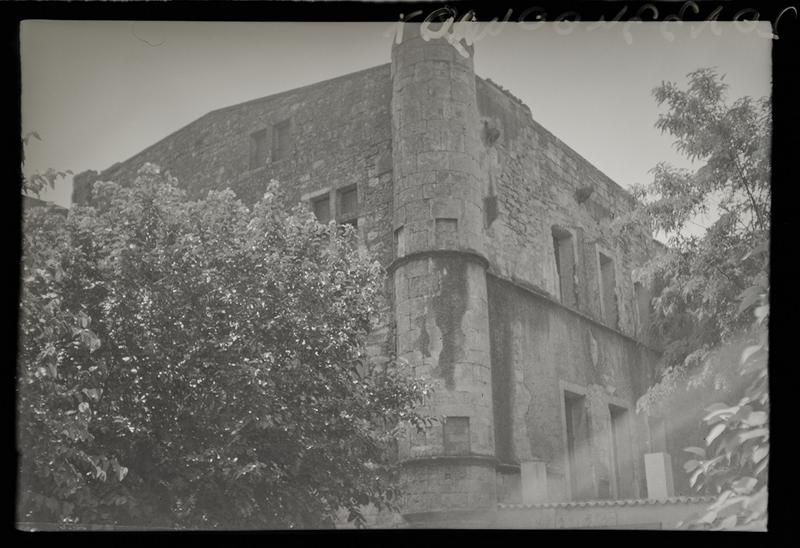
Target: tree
38	182
709	284
201	364
734	466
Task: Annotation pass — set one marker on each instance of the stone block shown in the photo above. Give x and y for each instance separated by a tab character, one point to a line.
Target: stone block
534	482
658	471
446	208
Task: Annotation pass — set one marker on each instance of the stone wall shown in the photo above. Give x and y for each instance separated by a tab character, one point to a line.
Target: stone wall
539	350
539	182
340	135
459	190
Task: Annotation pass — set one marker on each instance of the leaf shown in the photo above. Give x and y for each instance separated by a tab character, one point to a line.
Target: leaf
758	432
759	453
84	320
749	297
716	407
690	465
83	407
122	471
721	413
699	451
744	485
715	431
749	351
757	418
92	393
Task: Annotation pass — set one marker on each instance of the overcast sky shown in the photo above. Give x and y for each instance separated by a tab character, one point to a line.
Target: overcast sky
98	92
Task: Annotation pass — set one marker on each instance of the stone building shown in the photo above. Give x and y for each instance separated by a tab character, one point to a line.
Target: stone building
507	286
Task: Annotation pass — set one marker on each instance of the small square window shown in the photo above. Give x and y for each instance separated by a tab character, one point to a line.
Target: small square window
281	141
456	436
348	203
258	149
322	209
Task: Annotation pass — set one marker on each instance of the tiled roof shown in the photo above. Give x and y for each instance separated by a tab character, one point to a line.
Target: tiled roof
598	503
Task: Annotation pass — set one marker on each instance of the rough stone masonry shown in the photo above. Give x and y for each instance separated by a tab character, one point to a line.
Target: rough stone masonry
506	285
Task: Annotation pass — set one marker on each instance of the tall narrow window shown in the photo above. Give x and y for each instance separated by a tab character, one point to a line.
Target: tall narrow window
258	149
322	208
578	446
622	452
608	294
281	141
565	265
456	436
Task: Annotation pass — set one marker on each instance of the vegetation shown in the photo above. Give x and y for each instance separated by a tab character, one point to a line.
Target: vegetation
711	284
201	364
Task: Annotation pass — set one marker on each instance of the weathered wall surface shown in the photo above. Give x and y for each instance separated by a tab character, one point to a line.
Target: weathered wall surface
462	188
538	348
340	135
441	307
535	178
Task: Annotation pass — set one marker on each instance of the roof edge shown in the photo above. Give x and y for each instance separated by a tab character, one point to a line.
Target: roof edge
237	105
521	103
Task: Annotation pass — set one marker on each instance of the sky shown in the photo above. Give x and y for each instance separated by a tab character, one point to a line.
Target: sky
98	92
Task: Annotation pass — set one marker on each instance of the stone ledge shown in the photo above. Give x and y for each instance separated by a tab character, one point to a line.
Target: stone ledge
541	294
433	253
480	460
620	502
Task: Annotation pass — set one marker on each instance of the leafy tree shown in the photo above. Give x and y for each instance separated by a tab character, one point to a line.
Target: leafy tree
707	285
201	364
735	464
38	182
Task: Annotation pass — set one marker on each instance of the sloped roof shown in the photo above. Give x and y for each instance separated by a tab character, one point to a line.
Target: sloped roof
600	503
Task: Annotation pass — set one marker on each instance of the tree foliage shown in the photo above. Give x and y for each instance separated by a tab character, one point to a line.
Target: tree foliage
201	364
709	285
735	464
38	182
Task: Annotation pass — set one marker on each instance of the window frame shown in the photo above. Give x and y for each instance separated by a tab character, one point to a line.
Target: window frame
604	311
333	196
559	233
341	216
275	149
258	143
453	449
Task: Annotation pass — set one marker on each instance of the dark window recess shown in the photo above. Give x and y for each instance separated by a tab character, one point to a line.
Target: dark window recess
322	209
281	141
490	210
399	242
564	250
579	447
258	149
348	204
622	452
608	294
456	436
446	232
